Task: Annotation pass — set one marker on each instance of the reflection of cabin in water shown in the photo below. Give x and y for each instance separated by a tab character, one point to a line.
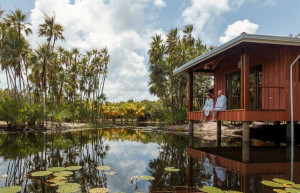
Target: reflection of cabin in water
246	177
253	73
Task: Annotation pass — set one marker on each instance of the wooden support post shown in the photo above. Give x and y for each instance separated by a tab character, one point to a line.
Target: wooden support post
191	133
190	92
288	140
246	142
190	171
242	79
246	132
245	79
219	133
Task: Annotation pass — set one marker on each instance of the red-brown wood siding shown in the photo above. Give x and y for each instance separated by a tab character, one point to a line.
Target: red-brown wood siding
244	115
272	72
291	53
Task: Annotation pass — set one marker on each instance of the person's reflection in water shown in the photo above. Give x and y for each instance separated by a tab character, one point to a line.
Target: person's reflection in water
210	163
252	185
208	168
221	175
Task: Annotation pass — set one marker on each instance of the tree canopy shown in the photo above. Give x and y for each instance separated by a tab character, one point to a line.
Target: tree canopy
170	51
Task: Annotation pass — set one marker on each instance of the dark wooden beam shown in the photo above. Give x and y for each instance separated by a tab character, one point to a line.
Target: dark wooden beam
242	80
246	69
245	79
190	91
205	70
218	61
204	74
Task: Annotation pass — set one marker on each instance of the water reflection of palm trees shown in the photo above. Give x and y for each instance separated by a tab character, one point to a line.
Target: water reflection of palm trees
90	148
32	152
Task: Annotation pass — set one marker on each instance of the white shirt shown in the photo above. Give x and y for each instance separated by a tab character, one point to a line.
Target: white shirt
221	102
209	104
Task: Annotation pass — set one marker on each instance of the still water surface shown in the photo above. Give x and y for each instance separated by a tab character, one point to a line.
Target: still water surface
128	152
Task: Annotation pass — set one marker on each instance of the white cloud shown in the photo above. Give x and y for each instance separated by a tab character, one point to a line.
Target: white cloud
205	15
122	26
160	3
238	27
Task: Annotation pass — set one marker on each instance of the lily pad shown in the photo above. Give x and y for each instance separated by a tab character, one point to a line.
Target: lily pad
291	190
99	190
172	169
63	173
41	173
147	178
272	184
296	186
56	169
110	173
11	189
73	168
103	168
68	188
210	189
58	181
281	181
232	191
280	191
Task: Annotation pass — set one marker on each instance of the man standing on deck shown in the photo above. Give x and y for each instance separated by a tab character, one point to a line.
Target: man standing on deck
220	105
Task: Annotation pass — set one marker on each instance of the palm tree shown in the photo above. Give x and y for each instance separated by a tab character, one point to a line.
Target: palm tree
52	32
17	25
164	57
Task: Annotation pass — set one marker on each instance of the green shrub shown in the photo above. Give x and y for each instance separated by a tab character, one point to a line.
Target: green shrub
17	114
10	111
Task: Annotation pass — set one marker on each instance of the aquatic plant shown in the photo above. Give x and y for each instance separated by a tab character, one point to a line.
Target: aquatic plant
99	190
56	169
41	173
68	188
147	178
110	173
103	168
73	168
11	189
289	186
63	173
59	180
172	169
209	189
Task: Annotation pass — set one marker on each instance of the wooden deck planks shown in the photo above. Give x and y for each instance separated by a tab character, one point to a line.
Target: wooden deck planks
243	115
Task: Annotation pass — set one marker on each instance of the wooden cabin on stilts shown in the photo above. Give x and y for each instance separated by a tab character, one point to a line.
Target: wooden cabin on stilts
253	71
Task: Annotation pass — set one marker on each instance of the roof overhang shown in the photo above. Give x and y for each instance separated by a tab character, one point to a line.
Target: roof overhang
250	38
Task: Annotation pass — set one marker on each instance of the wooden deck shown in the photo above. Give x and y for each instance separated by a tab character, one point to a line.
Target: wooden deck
243	115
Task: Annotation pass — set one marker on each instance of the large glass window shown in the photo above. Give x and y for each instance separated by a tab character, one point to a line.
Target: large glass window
256	87
233	88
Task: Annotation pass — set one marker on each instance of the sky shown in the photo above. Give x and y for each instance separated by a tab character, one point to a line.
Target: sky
125	27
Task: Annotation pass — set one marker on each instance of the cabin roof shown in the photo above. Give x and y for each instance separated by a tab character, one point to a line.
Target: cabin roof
276	40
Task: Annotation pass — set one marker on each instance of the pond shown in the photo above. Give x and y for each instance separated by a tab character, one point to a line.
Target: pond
127	152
